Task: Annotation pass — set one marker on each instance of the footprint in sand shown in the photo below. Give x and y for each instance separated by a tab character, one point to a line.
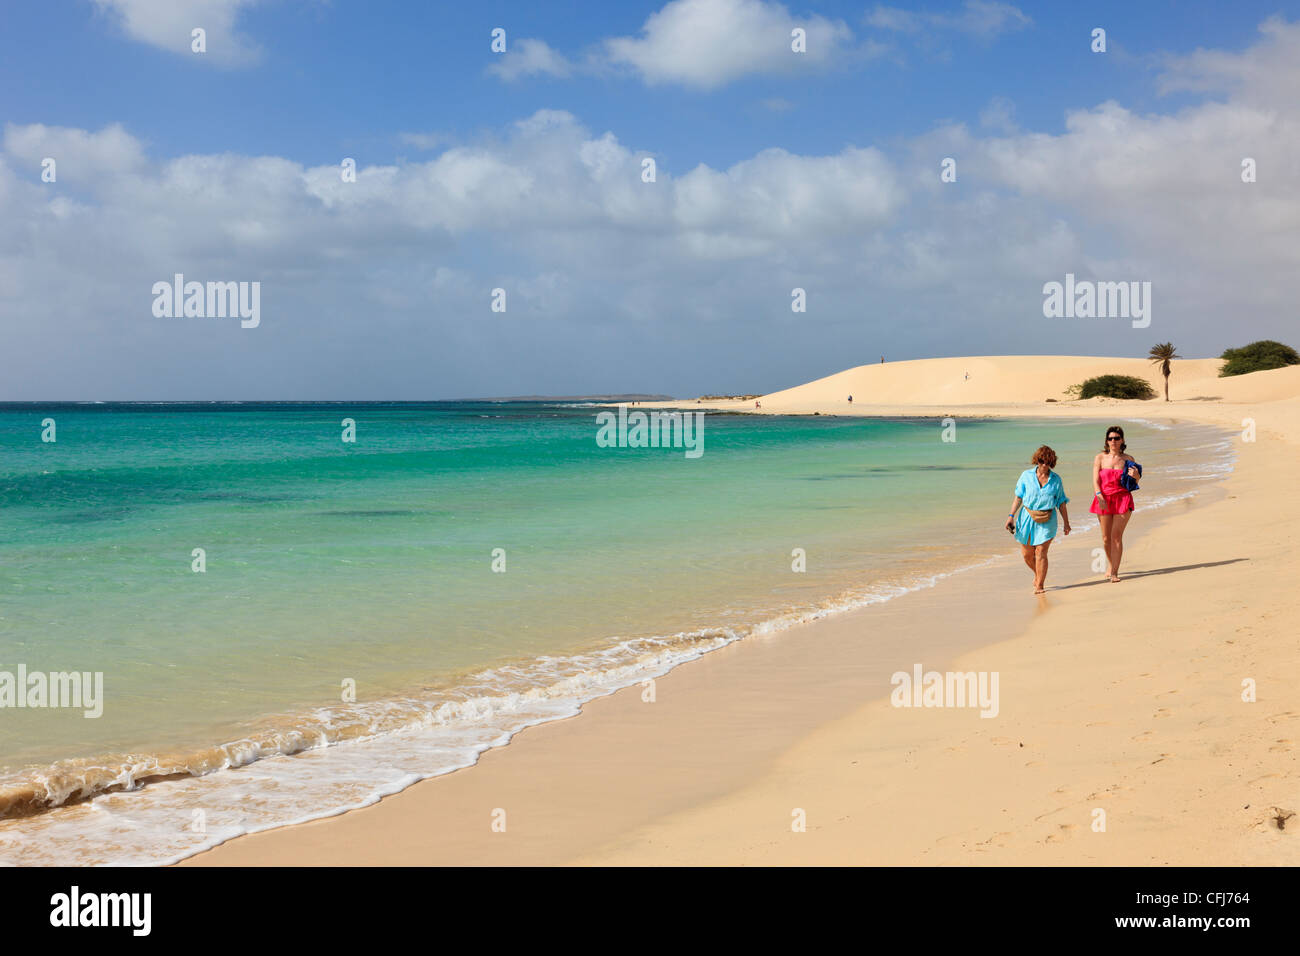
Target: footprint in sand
1142	736
1267	776
1285	715
1282	746
1110	791
1063	830
1161	712
1166	694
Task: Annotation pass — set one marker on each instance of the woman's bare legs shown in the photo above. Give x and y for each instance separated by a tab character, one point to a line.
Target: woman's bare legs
1117	527
1107	526
1035	557
1027	552
1040	566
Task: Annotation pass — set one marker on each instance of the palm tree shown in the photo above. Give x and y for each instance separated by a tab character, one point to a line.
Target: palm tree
1162	355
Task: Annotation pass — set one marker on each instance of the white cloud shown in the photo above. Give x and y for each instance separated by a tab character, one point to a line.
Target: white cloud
81	158
1270	75
707	43
894	18
167	24
981	18
424	141
675	278
529	57
778	195
549	175
999	115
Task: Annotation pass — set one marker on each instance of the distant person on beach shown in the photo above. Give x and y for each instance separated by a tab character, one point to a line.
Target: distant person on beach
882	360
1039	493
850	399
1113	483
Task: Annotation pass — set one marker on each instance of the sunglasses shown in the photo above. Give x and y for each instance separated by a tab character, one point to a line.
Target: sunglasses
1114	438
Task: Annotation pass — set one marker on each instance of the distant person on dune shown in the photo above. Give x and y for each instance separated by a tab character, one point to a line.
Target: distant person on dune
1039	493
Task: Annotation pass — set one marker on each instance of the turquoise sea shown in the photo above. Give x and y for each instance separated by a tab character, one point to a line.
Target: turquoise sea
374	612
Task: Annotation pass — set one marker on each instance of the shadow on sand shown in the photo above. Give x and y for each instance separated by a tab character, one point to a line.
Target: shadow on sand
1125	575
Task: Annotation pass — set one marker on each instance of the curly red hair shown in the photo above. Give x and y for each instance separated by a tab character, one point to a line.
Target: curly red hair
1044	456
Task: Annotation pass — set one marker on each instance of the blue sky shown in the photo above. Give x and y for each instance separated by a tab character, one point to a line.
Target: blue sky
481	171
350	76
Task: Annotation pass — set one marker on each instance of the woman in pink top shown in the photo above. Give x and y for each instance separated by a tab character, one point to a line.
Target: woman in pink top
1111	502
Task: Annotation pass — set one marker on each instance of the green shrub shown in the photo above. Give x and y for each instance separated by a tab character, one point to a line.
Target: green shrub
1117	386
1257	357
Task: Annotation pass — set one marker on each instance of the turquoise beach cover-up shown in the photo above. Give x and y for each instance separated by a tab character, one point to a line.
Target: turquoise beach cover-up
1048	497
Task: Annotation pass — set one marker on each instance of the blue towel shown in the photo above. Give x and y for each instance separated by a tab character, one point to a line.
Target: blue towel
1128	481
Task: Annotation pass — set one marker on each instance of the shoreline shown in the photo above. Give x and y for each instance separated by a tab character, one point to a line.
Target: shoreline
565	749
207	790
1201	784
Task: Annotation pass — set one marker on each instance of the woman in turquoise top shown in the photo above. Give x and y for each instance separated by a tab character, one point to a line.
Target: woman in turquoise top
1039	489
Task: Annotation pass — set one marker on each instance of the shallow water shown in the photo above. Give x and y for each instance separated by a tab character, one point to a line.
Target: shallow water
372	562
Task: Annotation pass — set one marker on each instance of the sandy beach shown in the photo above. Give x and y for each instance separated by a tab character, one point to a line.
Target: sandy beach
1122	734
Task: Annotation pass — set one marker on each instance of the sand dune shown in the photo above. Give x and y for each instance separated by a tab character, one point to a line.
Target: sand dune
1015	379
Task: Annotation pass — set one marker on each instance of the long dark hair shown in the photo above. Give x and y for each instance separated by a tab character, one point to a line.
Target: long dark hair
1105	443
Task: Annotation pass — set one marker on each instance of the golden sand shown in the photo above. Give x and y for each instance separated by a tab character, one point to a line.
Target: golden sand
1126	732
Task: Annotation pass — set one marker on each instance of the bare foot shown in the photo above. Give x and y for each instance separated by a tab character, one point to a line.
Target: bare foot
1040	590
1114	579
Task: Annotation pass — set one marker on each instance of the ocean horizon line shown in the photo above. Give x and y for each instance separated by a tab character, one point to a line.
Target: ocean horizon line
637	397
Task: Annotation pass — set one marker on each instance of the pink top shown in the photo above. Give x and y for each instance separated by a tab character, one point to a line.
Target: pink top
1117	498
